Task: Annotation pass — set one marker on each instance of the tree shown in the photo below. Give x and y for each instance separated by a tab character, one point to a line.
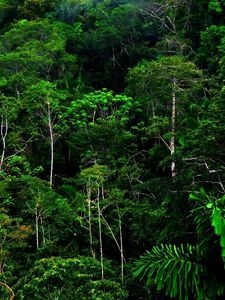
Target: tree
33	51
97	199
12	142
166	85
70	278
95	116
48	106
95	177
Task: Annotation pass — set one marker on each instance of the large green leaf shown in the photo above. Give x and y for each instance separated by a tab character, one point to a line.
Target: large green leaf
176	270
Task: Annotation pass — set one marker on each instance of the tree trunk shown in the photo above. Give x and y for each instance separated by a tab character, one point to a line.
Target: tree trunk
121	245
36	225
100	233
52	145
173	123
90	222
4	132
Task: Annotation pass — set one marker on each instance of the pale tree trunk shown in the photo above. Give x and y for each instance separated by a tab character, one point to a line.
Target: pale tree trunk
90	222
173	129
100	232
121	245
50	126
37	226
118	244
4	132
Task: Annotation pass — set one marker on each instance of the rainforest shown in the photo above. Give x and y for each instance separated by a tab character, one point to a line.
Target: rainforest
112	149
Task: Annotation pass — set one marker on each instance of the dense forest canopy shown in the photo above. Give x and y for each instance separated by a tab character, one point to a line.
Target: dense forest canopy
112	149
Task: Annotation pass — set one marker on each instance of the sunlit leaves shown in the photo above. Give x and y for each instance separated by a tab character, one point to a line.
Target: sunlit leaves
34	50
70	278
102	105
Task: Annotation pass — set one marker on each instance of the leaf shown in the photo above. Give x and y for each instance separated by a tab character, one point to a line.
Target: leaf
194	196
172	268
209	205
203	193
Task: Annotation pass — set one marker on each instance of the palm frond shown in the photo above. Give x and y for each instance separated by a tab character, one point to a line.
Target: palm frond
176	270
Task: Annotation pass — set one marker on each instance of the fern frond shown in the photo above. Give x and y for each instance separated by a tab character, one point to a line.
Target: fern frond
176	270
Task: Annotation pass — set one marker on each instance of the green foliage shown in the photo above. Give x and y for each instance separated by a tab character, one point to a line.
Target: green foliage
118	36
34	9
214	208
144	79
101	105
155	83
215	6
64	65
34	50
176	270
71	278
181	272
95	175
70	11
211	50
8	11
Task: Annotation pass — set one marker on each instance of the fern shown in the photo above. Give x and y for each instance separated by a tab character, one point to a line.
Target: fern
176	270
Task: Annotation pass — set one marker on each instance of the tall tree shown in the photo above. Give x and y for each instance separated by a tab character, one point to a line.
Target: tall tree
170	84
49	107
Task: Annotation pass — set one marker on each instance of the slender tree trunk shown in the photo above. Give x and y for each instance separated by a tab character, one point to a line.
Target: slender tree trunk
173	123
37	226
52	145
4	132
110	229
121	244
90	222
100	232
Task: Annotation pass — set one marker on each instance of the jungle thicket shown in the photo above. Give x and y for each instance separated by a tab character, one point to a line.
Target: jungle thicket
112	149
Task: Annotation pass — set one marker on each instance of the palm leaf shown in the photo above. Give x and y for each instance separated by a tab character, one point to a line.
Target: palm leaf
176	270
